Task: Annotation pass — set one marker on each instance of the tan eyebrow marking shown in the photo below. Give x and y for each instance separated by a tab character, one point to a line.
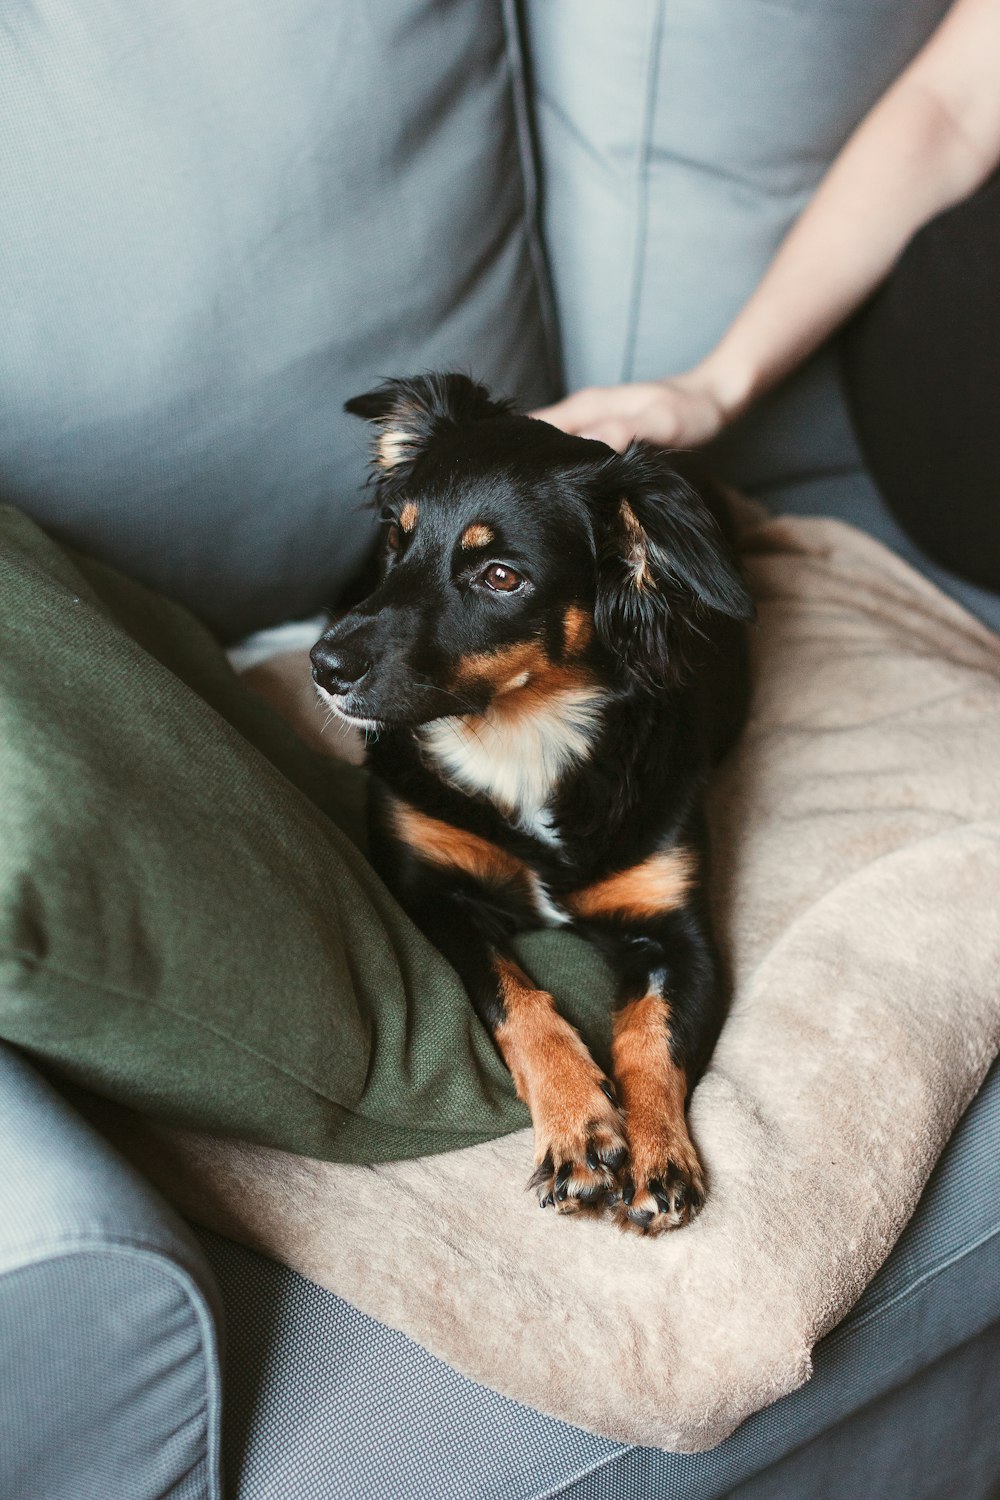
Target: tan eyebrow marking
408	516
477	535
660	883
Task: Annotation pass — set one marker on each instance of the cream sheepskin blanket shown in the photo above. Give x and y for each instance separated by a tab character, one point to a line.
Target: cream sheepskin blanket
857	847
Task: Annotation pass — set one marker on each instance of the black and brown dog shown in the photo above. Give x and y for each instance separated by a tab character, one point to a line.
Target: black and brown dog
552	659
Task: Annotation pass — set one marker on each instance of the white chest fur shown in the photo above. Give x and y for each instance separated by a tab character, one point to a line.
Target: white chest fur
517	759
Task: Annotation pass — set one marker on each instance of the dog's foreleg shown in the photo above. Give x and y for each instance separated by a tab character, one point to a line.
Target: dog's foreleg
580	1144
666	1018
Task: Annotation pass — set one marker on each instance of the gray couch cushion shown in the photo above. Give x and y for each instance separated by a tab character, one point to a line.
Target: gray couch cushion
109	1382
679	140
325	1402
220	223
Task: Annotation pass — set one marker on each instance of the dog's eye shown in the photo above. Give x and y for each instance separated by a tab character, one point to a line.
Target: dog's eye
501	579
392	537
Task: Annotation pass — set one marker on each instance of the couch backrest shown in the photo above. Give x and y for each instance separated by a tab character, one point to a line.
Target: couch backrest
680	138
219	221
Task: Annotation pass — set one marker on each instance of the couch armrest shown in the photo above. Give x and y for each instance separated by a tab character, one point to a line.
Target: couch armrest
109	1366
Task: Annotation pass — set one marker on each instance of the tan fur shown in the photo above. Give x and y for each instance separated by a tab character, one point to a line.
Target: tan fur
652	1086
476	535
455	848
390	447
541	719
578	630
653	1092
637	556
557	1078
408	515
523	675
660	883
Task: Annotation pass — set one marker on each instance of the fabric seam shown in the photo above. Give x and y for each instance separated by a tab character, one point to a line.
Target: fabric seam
32	962
843	1331
850	1325
167	1263
642	194
514	45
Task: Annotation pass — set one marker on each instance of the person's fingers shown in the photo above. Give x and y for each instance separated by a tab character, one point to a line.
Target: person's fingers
659	412
576	411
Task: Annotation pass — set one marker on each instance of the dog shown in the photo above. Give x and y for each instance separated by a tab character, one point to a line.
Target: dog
552	659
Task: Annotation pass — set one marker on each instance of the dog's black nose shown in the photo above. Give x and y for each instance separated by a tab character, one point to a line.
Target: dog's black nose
335	669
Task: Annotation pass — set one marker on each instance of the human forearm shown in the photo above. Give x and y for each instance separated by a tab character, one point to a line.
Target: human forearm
930	141
925	146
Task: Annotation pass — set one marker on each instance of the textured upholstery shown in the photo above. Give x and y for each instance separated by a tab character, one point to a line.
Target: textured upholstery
219	222
408	1425
930	1439
108	1361
158	866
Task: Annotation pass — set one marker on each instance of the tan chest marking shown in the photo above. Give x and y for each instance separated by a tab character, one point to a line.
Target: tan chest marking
660	883
543	719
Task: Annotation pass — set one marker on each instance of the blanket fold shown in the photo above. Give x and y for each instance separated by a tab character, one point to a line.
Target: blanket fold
857	843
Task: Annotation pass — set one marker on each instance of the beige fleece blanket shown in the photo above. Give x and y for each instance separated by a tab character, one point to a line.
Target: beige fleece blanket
857	837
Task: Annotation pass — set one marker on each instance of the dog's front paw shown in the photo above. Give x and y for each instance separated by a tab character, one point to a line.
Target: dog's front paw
664	1187
581	1149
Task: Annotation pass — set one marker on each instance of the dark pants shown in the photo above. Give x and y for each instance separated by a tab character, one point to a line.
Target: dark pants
922	367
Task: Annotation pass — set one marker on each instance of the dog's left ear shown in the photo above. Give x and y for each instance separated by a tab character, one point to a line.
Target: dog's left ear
663	565
409	413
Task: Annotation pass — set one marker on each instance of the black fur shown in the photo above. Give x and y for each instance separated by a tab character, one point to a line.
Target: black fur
622	543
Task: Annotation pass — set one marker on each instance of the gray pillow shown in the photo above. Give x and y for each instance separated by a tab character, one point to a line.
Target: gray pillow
679	140
217	224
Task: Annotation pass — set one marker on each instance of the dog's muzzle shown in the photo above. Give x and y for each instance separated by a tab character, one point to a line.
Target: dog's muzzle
336	670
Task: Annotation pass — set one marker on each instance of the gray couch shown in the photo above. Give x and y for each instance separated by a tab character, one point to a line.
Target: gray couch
219	222
115	1319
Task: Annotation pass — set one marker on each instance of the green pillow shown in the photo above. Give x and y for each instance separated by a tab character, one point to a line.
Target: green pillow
187	923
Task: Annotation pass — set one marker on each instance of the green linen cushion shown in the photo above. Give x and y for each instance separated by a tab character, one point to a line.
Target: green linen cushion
187	923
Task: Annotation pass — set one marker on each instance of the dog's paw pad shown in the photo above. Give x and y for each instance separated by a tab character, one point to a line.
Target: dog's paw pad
663	1197
581	1165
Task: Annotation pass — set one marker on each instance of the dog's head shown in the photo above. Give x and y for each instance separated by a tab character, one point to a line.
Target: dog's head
517	562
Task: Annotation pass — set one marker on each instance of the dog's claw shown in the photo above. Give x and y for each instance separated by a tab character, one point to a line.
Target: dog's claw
662	1201
578	1175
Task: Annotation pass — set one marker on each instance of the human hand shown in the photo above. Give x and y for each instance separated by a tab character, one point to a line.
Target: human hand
682	412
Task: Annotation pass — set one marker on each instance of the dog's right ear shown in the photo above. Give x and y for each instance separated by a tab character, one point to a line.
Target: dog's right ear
663	566
409	413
